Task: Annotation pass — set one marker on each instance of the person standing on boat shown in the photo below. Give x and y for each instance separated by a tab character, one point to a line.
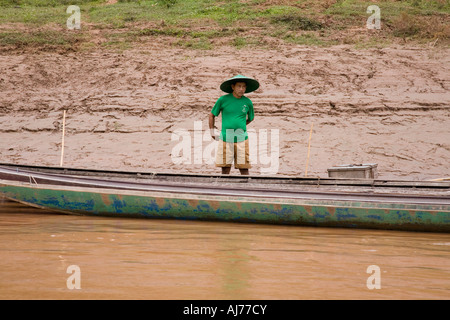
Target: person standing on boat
237	113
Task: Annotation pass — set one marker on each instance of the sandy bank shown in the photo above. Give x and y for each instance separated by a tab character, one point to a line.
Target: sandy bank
386	106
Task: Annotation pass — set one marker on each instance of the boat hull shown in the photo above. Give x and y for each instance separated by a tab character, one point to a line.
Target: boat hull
190	206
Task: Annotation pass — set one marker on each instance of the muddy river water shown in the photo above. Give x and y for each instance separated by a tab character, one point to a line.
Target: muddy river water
44	255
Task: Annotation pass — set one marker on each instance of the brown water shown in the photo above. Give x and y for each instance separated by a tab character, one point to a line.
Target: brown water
174	259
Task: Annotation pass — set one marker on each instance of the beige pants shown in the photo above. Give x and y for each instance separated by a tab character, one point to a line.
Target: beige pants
227	152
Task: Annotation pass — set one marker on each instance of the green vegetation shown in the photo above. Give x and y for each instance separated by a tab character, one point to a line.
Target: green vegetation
44	37
205	24
297	22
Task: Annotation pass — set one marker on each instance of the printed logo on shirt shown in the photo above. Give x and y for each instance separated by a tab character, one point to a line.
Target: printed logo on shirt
244	109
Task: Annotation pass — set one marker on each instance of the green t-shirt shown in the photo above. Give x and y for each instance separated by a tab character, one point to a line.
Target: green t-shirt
234	117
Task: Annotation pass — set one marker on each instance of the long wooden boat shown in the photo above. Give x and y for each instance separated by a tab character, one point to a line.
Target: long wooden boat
378	204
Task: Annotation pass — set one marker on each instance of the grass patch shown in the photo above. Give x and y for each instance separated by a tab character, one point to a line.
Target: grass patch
42	38
46	3
410	26
198	23
33	16
202	43
296	22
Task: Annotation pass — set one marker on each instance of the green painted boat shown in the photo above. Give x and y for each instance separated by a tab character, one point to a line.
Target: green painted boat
388	205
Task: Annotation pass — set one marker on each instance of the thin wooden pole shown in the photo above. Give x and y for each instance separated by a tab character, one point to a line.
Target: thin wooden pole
62	142
309	147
